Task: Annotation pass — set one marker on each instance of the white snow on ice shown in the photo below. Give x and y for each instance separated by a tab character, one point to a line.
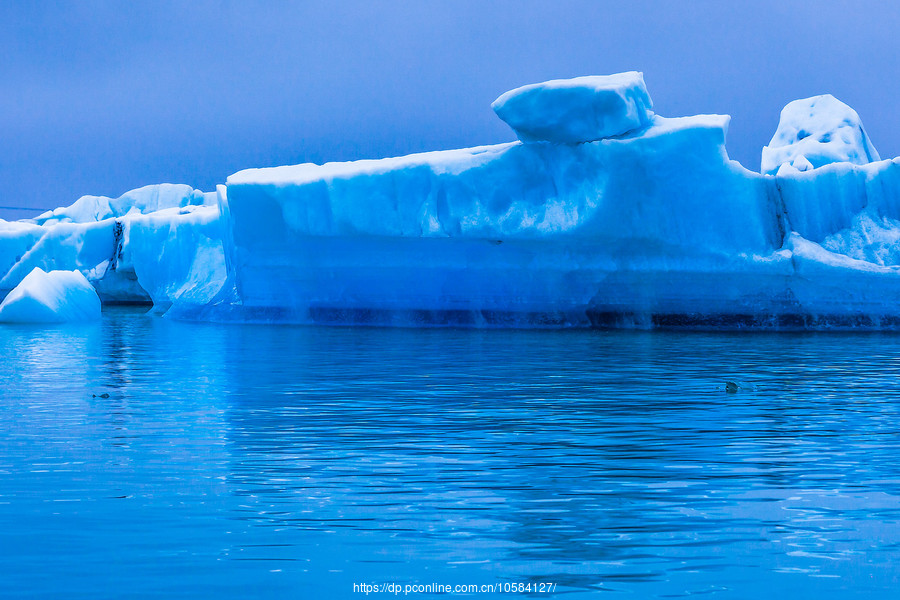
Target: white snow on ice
817	131
54	297
576	110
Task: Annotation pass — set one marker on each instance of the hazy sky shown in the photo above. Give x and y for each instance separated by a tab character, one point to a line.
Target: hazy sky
103	97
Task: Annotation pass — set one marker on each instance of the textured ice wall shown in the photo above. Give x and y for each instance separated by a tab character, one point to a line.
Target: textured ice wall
511	234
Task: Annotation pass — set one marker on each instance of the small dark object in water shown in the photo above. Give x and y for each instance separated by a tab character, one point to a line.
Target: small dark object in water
103	395
733	387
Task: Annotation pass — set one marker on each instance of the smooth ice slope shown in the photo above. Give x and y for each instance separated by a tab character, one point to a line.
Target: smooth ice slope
583	109
54	297
817	131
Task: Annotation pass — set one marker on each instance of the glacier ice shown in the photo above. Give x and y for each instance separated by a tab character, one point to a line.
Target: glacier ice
602	214
817	131
582	109
54	297
177	255
152	244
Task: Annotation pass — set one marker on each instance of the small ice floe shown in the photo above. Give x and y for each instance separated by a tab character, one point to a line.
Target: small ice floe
54	297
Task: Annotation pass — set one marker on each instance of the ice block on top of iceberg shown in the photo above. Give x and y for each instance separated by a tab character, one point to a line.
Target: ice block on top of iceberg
54	297
817	131
583	109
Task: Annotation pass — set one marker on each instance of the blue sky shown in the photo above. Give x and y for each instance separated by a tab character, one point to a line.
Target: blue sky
103	97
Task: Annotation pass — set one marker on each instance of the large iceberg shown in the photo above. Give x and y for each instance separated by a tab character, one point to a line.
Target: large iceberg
603	214
54	297
515	234
649	225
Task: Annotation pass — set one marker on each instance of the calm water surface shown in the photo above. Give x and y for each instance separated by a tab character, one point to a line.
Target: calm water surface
245	461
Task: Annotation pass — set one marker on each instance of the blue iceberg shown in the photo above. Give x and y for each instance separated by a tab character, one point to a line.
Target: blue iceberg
603	214
649	226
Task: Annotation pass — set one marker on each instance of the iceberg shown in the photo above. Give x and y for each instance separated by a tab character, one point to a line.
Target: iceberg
583	109
54	297
602	214
151	245
817	131
514	234
643	223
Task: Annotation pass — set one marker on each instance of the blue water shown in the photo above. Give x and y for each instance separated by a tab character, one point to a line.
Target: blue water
253	461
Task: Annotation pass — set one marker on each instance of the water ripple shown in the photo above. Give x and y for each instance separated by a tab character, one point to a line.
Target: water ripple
242	460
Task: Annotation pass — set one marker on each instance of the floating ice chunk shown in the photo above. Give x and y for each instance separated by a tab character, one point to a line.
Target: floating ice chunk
583	109
817	131
655	228
54	297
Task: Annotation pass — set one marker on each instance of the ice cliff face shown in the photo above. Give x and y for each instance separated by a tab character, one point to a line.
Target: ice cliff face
603	214
492	235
